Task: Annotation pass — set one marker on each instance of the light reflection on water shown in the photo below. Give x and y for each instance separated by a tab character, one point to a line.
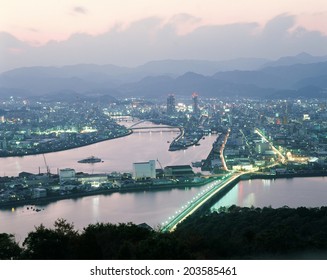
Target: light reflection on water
296	192
118	155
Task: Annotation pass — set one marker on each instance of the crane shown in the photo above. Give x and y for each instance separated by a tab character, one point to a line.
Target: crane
46	165
163	173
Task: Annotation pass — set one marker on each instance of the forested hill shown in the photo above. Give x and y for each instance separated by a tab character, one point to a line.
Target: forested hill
234	233
255	233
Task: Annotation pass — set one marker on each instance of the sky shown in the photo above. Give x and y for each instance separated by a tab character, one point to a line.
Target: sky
133	32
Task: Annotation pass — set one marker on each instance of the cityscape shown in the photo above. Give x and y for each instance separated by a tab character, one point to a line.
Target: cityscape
271	138
169	133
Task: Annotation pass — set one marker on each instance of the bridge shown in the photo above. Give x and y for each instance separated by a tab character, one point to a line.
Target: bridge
154	127
135	124
213	188
172	128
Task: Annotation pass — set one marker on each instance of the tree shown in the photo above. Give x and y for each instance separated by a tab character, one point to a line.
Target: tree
9	248
53	244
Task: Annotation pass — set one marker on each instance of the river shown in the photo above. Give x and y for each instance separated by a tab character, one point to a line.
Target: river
152	207
117	154
295	192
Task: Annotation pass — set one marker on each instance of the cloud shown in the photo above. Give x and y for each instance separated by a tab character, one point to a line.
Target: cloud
80	10
184	23
280	25
155	39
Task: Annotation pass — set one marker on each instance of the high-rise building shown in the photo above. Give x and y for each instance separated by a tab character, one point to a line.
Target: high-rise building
196	109
171	104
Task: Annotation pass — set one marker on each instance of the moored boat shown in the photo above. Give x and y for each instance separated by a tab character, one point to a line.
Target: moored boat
91	159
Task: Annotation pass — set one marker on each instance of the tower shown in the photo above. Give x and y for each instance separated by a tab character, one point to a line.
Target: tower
196	110
171	104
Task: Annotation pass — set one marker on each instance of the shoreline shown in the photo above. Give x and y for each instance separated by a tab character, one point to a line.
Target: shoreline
66	149
248	177
161	187
282	176
46	200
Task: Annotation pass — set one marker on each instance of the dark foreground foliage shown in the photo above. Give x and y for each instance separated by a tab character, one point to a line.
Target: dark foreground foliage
235	233
255	233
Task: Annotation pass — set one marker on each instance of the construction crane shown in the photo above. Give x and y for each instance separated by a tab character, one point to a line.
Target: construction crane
163	173
46	165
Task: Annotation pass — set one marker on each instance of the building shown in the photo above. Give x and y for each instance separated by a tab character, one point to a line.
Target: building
95	180
196	109
178	171
171	110
39	192
67	174
144	170
262	147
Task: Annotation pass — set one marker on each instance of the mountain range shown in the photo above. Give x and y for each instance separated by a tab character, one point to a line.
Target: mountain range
294	76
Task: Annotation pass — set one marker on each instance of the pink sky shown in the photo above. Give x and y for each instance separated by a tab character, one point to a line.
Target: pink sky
133	32
39	21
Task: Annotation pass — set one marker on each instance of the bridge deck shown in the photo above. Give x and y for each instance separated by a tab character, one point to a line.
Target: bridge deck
216	186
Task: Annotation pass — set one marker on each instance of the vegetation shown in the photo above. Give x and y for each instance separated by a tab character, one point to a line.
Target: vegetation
255	233
233	233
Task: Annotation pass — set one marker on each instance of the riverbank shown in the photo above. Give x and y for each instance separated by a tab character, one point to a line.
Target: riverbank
65	149
283	175
134	188
204	209
159	187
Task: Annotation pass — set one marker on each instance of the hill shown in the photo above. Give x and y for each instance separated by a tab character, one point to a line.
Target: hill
156	79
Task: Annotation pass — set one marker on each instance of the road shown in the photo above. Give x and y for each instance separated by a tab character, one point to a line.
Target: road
282	157
193	205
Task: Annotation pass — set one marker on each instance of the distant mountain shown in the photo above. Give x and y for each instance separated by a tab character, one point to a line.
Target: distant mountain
159	78
292	74
179	67
257	78
301	58
188	83
149	87
43	80
281	77
7	92
91	78
317	81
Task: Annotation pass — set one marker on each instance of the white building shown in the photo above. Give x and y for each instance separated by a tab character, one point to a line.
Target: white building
142	170
67	174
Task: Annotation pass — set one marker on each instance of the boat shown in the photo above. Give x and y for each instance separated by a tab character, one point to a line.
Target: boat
91	159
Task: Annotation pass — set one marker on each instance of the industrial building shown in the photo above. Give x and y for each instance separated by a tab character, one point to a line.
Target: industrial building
67	174
144	170
178	171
